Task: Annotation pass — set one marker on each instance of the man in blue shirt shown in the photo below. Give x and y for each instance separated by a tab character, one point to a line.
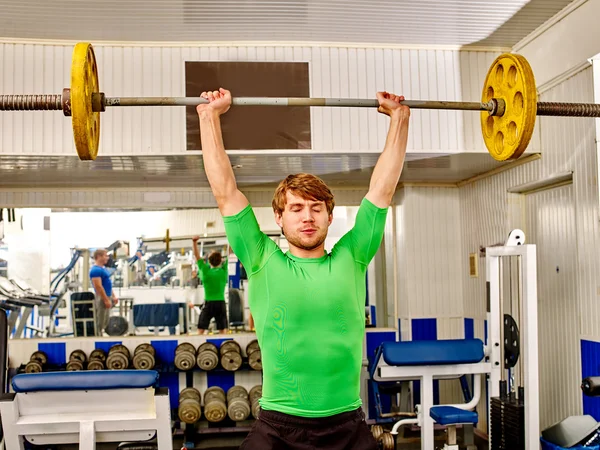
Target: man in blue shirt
105	297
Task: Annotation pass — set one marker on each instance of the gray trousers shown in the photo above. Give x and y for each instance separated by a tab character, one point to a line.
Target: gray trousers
102	314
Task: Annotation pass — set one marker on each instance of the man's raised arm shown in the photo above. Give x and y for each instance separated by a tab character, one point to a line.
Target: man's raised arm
216	162
389	166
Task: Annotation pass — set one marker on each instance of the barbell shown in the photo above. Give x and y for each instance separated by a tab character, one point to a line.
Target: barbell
508	106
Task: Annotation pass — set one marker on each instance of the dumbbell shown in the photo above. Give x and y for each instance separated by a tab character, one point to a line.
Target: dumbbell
376	431
37	361
97	360
231	355
254	355
207	356
77	360
215	408
185	356
118	357
238	405
189	405
386	441
144	357
254	396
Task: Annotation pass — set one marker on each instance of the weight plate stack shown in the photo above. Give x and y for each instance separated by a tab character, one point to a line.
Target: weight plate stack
231	355
215	409
118	358
144	357
77	361
189	410
37	362
185	356
254	396
207	356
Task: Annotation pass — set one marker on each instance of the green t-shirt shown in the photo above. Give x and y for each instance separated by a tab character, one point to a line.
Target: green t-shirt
309	314
214	280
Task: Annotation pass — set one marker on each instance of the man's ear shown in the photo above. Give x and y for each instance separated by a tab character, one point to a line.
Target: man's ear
278	219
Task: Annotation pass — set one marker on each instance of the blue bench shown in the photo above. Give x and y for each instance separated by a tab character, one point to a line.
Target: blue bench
424	353
427	361
88	380
450	415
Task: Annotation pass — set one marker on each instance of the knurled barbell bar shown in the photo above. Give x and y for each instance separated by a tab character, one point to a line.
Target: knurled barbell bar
508	106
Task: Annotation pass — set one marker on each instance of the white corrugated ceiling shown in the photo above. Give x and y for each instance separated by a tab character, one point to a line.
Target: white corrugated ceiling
403	22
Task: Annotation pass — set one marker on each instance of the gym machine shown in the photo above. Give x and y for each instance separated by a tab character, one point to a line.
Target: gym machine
507	361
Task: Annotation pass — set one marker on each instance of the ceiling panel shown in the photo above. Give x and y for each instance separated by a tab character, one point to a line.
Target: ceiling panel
252	170
404	22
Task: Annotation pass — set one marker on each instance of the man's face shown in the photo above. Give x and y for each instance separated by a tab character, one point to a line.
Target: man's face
304	222
103	259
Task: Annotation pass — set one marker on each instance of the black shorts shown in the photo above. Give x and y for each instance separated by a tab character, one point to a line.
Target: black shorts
214	309
275	431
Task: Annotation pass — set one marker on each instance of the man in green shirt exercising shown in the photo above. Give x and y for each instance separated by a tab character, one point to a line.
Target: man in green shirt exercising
308	305
214	276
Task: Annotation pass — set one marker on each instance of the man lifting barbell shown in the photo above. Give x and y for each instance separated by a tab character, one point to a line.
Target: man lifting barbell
214	276
308	305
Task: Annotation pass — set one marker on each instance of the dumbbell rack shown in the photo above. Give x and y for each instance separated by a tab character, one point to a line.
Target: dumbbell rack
190	432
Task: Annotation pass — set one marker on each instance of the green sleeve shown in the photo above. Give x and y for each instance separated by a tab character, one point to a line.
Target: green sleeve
225	265
364	239
201	265
252	247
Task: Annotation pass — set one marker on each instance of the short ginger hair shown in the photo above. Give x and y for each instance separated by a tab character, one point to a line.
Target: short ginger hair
306	186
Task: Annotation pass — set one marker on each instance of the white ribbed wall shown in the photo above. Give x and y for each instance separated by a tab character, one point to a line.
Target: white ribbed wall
160	71
551	226
432	263
488	216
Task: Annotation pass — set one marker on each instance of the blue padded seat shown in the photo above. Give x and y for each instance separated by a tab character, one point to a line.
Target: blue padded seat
449	415
84	380
427	353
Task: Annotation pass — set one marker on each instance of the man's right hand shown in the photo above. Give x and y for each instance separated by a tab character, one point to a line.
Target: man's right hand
219	102
390	104
196	238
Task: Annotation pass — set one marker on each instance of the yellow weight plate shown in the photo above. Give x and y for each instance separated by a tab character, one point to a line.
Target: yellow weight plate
84	83
511	79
